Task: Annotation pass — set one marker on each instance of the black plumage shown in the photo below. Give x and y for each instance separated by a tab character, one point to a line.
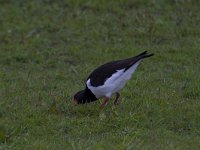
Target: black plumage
99	75
85	96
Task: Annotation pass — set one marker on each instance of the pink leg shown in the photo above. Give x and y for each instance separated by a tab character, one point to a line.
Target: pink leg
105	102
116	102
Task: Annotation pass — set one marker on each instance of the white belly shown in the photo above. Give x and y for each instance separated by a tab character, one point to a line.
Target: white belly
114	84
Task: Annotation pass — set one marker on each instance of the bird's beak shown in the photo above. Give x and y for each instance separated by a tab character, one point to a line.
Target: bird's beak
75	102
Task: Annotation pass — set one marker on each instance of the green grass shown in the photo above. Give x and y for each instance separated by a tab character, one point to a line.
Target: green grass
48	48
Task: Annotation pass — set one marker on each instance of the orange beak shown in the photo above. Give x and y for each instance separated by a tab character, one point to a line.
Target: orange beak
75	102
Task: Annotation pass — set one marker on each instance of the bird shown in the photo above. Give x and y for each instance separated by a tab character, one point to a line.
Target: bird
109	79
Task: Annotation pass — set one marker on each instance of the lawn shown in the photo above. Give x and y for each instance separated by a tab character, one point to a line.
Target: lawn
48	48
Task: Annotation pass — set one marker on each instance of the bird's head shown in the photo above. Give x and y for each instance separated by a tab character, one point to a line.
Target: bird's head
84	96
80	98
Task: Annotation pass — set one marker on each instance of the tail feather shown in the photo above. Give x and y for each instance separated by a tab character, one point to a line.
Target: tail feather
137	58
148	55
143	55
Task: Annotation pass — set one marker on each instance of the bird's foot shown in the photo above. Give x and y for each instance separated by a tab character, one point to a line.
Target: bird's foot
105	102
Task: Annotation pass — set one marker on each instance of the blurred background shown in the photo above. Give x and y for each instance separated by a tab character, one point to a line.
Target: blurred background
48	48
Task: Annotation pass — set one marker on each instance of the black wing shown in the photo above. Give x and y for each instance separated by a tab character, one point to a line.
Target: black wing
102	73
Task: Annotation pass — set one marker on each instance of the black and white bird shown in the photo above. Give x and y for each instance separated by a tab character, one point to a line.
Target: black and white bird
109	79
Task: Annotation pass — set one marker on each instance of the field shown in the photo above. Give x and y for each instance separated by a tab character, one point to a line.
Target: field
48	48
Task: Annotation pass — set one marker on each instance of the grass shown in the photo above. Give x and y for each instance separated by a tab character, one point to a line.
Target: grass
47	49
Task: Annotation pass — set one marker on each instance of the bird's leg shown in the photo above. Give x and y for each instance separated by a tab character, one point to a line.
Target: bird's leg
116	102
105	102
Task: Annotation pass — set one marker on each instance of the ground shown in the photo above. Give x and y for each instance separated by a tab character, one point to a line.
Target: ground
48	48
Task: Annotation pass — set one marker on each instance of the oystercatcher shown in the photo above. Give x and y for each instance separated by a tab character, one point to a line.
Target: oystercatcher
108	79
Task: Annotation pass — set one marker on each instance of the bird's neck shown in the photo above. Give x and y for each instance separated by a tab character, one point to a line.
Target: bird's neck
88	93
